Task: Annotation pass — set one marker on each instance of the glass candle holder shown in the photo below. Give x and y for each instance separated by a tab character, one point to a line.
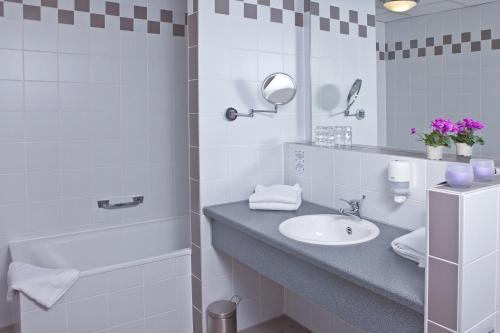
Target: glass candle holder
459	175
484	170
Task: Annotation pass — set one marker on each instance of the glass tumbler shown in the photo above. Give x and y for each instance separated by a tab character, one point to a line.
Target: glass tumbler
348	136
338	136
320	135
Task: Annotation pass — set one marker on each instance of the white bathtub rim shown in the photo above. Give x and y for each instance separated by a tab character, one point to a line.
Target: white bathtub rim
89	231
138	262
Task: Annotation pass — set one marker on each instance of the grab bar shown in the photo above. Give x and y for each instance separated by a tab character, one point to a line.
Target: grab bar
136	201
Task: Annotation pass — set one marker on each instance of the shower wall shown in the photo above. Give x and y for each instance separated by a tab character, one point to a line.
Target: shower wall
443	65
93	104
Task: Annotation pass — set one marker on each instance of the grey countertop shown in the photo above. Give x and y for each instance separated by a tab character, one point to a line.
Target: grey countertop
372	265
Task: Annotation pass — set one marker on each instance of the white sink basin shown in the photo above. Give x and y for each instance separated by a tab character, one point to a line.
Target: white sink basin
329	229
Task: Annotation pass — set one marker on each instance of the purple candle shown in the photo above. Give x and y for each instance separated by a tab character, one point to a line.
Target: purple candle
484	170
459	175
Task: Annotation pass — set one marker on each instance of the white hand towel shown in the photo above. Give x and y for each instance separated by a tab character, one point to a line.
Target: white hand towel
277	193
275	206
412	246
43	285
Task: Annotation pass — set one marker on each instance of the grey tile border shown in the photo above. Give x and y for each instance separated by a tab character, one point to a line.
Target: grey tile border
32	12
324	24
222	7
440	45
444	226
166	16
250	11
193	29
179	30
126	24
289	5
443	293
97	20
82	5
495	44
140	12
344	28
276	15
49	3
66	16
112	8
353	16
351	25
486	34
299	20
154	27
362	31
334	13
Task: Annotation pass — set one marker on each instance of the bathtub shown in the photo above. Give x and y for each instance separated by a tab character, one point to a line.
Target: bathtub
133	279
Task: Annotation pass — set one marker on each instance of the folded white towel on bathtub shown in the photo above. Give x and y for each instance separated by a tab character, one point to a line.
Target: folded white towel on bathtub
412	246
45	286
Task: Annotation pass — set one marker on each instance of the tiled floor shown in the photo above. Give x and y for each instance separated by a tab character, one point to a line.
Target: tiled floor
281	324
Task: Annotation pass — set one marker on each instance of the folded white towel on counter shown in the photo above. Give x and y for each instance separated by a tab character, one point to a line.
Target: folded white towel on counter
43	285
412	246
277	194
275	206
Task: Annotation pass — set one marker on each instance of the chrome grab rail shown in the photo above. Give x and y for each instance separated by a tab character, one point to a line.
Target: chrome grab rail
136	201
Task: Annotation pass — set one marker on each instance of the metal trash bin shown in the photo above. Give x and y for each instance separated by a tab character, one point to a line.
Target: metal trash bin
222	317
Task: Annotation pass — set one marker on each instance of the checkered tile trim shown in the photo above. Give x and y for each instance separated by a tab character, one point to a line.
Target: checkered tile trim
354	24
96	19
438	46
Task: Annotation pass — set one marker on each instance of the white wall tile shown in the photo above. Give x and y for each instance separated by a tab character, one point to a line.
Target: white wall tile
40	66
53	321
40	36
478	280
41	96
479	241
11	67
11	93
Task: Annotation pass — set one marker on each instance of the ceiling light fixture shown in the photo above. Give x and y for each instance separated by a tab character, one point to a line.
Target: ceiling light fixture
399	5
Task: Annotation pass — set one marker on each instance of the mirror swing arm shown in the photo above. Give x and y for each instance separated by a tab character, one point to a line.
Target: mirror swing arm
232	114
278	89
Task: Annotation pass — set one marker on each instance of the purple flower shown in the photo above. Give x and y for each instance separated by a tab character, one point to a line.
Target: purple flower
443	126
468	124
413	130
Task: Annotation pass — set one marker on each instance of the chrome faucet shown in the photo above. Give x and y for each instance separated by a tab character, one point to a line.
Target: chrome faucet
355	205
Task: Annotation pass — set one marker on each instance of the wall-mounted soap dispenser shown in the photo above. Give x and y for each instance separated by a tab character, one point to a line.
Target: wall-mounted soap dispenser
401	179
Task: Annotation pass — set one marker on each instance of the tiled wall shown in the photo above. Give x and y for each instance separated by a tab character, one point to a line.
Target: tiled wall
329	175
152	298
237	45
443	65
88	110
343	36
462	275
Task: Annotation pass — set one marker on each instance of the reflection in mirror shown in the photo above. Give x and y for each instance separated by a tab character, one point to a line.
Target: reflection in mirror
279	88
351	98
432	63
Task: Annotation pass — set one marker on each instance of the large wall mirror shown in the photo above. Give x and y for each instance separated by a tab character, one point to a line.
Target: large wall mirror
440	59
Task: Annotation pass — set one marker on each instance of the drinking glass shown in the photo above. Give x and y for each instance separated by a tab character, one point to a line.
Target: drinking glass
347	136
338	136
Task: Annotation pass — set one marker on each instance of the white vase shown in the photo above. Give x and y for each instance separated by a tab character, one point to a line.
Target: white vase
463	149
434	153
